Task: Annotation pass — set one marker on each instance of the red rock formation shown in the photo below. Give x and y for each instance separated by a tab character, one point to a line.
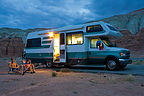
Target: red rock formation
135	43
11	47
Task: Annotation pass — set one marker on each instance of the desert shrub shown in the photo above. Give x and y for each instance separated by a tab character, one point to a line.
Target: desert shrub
65	70
32	83
54	74
130	78
75	92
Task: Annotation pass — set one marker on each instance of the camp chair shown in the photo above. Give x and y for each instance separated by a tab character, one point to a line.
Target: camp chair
28	68
13	67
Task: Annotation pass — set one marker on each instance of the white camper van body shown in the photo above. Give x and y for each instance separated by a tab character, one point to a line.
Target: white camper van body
77	44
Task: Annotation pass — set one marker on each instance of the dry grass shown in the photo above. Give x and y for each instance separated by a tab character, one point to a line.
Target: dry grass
65	70
130	78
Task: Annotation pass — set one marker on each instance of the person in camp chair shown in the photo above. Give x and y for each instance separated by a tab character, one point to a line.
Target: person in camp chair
13	66
28	67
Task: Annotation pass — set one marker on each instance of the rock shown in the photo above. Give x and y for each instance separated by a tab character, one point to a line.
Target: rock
142	85
105	76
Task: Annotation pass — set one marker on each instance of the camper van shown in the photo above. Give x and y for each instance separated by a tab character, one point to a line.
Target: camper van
85	44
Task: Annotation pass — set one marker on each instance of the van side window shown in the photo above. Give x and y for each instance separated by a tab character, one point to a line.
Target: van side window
96	43
69	39
74	38
94	28
36	42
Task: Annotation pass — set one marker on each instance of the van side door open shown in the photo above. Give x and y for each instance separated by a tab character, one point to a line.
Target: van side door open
56	49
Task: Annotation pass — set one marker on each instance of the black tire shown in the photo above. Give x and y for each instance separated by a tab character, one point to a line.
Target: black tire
111	64
48	64
67	66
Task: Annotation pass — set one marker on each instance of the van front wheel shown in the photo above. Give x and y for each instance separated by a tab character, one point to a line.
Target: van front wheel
111	64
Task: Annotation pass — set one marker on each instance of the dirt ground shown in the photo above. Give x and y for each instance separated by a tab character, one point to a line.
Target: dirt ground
43	83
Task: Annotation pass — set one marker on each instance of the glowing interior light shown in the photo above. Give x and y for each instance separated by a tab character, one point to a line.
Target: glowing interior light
79	39
69	42
50	34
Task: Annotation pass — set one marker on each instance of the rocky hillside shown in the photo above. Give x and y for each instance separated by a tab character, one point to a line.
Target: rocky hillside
12	41
15	32
131	25
133	21
11	47
135	43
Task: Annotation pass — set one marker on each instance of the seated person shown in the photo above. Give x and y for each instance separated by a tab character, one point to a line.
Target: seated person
28	67
13	66
24	62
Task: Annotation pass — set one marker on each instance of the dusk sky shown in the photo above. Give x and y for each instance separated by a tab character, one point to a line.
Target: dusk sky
57	13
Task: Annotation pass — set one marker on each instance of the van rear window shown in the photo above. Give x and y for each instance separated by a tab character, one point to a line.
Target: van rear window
36	42
94	28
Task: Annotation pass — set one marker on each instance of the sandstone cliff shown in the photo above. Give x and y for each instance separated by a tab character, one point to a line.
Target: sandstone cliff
12	41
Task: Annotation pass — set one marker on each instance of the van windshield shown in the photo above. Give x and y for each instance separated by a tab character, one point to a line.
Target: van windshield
108	42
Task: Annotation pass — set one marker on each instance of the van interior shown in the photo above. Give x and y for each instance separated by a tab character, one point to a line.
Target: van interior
56	48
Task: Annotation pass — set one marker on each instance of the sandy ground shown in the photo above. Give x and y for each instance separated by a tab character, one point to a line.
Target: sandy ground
42	83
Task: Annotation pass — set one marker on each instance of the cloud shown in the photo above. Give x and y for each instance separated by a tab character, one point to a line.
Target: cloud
58	13
26	6
63	11
72	8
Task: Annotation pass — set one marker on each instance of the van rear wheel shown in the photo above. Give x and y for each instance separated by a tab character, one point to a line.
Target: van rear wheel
48	64
111	64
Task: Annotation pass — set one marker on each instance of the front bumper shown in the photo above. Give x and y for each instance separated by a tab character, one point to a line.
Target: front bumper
125	61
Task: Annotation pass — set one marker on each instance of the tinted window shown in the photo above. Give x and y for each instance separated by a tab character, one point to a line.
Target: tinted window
75	38
94	28
34	42
62	38
112	28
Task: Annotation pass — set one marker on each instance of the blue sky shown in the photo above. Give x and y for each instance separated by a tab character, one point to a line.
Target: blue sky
57	13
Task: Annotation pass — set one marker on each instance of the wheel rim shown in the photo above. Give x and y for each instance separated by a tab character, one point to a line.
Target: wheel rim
111	64
48	64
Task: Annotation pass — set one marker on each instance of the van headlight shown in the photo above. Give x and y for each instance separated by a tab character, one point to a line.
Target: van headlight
122	54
